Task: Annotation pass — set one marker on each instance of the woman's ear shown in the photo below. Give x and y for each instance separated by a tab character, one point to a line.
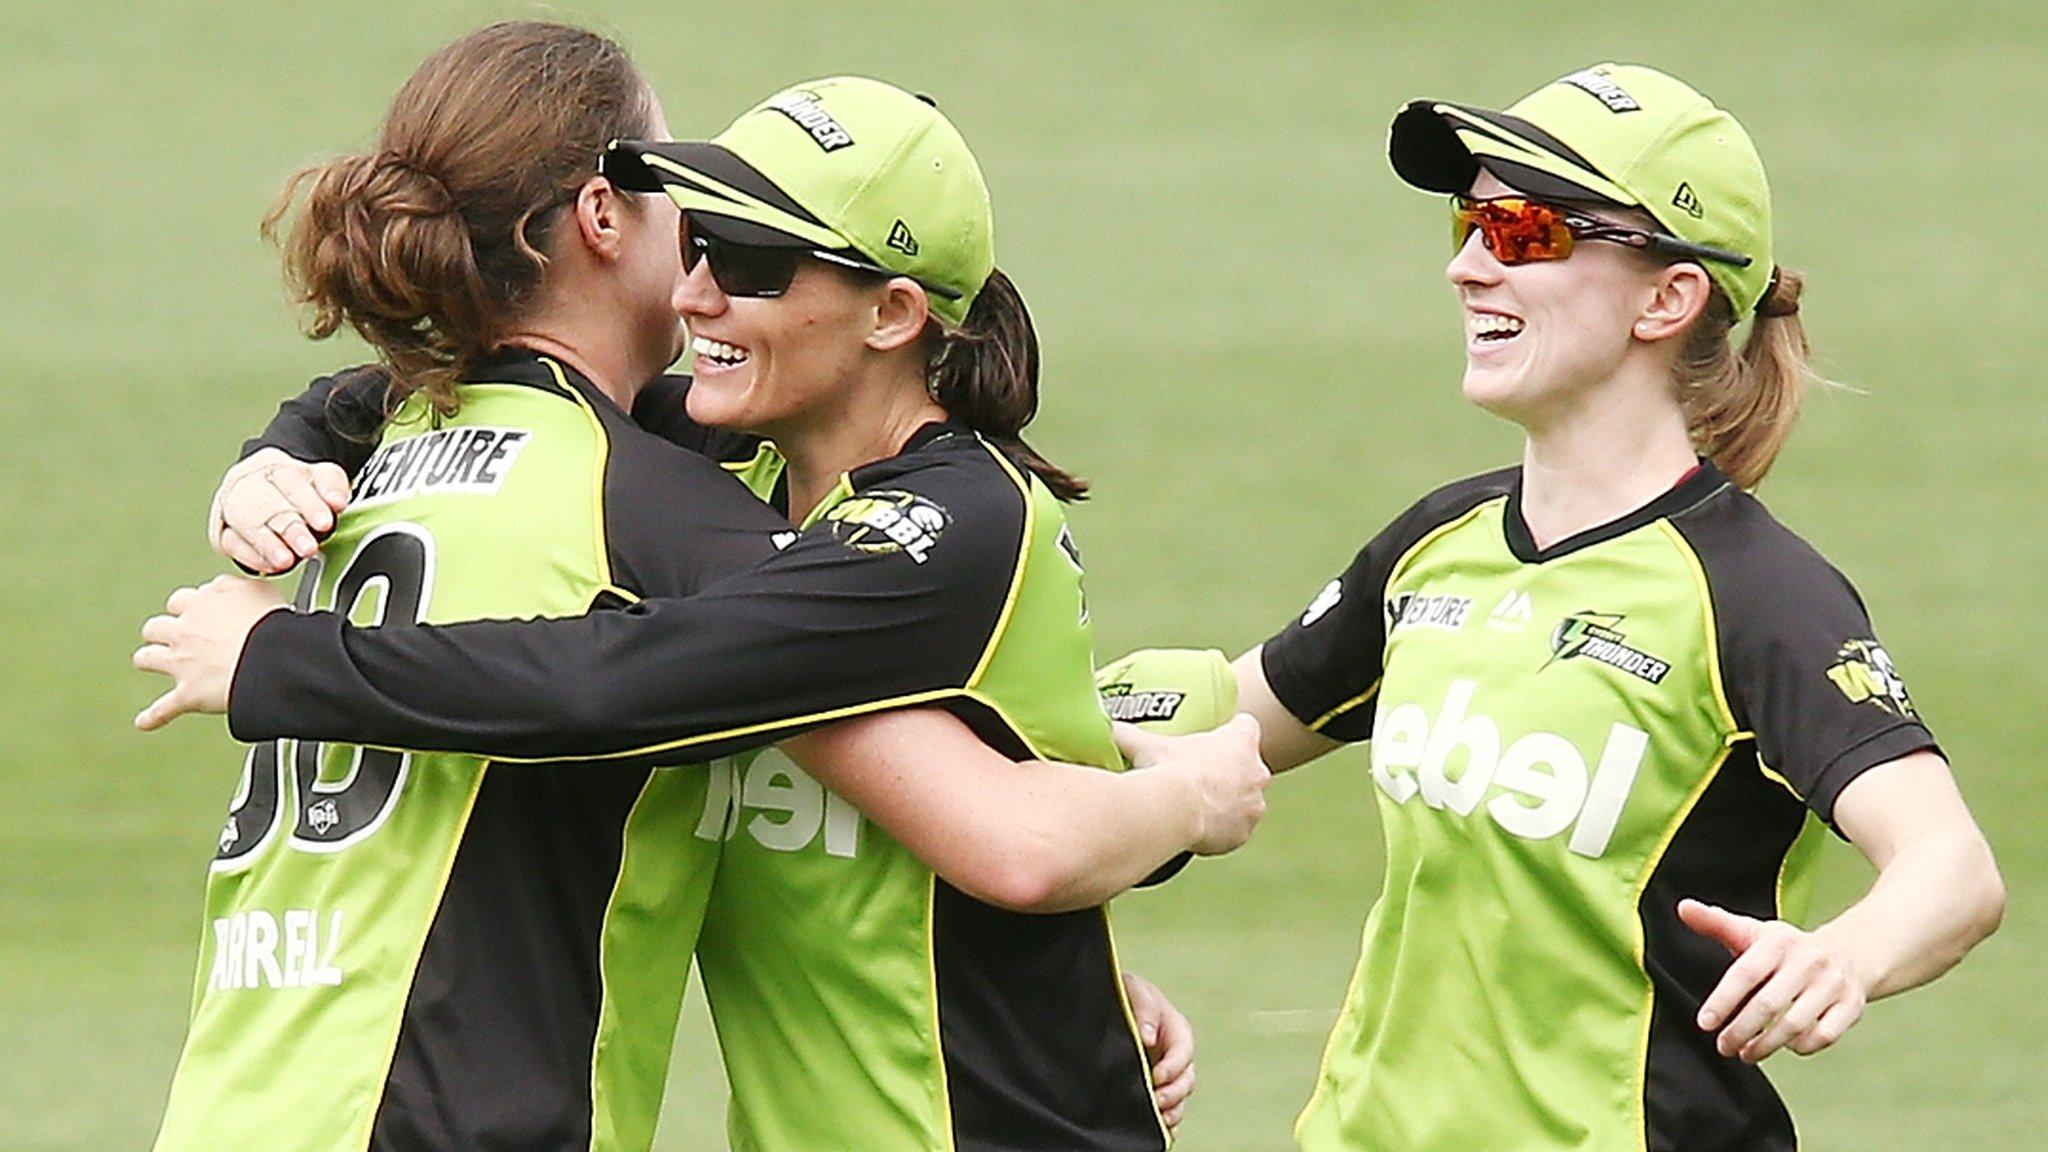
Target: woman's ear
1678	298
596	211
901	314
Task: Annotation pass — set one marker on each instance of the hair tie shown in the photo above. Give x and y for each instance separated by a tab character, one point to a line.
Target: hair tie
1771	304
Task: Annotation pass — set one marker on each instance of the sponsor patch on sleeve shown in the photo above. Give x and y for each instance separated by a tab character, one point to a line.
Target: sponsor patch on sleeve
1324	601
888	521
1865	674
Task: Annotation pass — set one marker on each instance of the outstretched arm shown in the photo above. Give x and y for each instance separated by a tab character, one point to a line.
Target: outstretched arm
1937	894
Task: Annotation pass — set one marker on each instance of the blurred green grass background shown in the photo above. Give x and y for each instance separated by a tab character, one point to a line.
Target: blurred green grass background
1249	348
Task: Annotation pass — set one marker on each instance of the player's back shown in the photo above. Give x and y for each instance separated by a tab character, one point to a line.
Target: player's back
430	950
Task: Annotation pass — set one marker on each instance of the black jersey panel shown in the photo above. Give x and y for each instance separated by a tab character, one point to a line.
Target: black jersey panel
337	418
506	996
662	408
675	521
1039	1053
1325	665
1799	661
849	617
1729	852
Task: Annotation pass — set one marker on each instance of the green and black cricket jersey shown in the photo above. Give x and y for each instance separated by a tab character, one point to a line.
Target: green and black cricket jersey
1566	741
431	951
861	1001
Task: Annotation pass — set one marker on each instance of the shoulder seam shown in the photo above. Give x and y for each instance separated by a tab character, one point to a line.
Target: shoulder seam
1002	625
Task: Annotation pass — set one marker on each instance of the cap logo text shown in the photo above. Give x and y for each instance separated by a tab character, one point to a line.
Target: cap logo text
1687	202
901	240
1603	89
803	109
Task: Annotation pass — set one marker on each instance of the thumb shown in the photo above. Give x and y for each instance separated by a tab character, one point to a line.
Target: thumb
1731	930
1140	748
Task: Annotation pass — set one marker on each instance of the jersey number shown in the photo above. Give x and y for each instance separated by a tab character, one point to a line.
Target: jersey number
398	561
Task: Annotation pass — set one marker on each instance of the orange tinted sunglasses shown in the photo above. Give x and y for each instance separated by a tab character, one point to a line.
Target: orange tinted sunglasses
1518	230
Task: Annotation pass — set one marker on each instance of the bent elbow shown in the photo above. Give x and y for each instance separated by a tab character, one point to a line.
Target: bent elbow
1034	885
1991	900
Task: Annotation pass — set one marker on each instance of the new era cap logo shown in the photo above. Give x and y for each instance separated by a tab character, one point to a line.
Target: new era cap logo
901	240
1603	89
1686	202
802	107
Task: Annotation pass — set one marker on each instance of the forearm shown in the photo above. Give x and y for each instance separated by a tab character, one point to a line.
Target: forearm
1936	898
1284	741
1031	836
1098	834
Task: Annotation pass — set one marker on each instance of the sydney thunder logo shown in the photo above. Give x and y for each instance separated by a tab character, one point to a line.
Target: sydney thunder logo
1125	703
1596	636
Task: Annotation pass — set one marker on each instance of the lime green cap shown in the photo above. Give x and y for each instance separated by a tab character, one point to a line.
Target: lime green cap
1620	134
845	163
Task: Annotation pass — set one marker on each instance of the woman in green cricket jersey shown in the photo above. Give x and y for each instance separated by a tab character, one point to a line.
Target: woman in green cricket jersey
840	283
1607	694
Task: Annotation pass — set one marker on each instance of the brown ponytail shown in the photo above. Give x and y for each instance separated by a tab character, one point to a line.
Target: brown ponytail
985	374
430	245
1739	406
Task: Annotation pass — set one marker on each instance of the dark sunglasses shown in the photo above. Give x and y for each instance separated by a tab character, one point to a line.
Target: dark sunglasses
763	272
1518	230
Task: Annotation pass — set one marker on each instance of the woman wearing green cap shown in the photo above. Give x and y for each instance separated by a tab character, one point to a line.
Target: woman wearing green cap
839	279
1609	697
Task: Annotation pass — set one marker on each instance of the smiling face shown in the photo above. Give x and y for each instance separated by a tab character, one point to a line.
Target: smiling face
1544	337
776	365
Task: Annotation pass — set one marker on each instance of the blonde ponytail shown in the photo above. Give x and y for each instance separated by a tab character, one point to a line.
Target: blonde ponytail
1740	406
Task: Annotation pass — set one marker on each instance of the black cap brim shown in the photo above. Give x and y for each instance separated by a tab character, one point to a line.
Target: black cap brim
1426	151
701	167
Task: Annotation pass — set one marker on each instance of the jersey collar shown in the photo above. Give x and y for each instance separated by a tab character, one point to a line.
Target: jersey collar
1702	482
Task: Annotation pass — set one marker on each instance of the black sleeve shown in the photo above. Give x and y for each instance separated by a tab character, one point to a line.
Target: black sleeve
675	522
891	600
336	419
662	408
1324	666
1800	663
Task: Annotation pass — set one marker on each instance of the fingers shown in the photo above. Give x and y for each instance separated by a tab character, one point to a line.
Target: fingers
154	656
1820	994
1772	998
230	544
1172	1098
331	481
294	482
1744	977
1831	1026
271	510
1731	930
1169	1045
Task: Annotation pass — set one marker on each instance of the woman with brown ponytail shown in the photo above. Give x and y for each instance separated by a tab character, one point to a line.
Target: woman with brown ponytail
913	633
1610	699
